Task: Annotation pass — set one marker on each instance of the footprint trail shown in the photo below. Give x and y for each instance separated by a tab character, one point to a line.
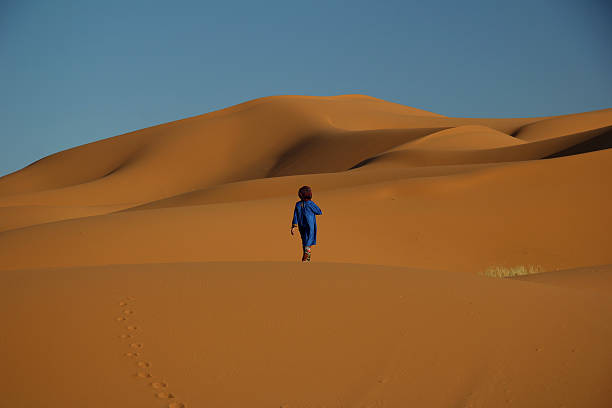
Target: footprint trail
159	387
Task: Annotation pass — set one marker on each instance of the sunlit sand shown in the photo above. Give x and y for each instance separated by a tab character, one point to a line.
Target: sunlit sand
156	268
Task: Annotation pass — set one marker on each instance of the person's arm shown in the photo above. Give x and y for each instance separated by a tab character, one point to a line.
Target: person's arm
294	222
316	209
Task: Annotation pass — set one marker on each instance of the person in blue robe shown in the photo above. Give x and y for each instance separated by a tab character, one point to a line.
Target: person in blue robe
304	219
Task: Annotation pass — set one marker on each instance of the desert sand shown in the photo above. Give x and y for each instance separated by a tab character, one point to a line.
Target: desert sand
156	268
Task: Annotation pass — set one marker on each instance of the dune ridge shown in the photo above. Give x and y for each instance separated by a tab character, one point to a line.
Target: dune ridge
351	145
155	268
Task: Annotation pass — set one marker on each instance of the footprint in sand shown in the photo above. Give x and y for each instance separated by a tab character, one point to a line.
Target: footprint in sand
142	374
143	364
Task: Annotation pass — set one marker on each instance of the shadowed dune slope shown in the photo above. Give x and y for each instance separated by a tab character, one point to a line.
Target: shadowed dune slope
587	279
552	215
350	148
272	137
564	125
252	140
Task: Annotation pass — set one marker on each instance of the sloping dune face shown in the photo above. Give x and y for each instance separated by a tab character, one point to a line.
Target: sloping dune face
371	163
170	247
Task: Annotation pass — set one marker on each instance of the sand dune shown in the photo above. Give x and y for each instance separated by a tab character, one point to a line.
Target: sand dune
465	137
253	140
284	334
188	224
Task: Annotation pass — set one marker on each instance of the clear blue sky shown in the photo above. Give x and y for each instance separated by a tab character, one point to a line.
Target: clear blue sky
72	72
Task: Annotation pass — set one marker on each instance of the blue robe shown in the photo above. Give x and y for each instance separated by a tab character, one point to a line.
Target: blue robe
304	216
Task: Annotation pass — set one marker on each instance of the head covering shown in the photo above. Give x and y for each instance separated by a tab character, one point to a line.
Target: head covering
305	193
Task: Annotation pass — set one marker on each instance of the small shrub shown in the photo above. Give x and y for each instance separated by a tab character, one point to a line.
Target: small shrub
509	272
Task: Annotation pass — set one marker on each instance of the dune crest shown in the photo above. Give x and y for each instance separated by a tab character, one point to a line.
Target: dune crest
467	137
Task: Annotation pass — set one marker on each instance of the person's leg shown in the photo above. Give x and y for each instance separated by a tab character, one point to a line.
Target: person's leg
306	256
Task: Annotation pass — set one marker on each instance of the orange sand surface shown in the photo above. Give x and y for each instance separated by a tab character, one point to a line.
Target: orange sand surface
156	268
